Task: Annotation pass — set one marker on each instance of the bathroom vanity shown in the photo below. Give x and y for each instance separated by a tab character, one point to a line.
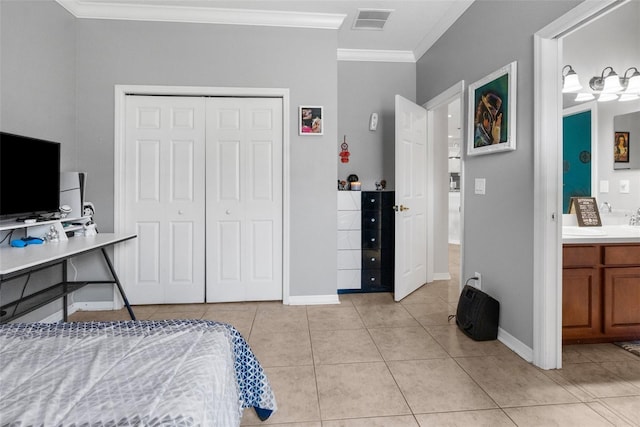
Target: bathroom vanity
600	284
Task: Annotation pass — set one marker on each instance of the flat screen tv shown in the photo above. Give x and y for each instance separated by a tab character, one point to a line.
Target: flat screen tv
29	177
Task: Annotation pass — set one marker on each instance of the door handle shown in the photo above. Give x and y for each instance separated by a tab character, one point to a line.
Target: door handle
400	208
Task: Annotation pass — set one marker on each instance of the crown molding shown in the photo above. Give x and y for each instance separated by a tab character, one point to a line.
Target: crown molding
452	15
369	55
171	13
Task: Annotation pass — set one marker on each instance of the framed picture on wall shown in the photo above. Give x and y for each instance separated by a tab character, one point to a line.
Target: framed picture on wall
310	121
492	112
621	147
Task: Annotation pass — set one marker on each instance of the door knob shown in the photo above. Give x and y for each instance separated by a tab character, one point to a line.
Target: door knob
228	212
400	208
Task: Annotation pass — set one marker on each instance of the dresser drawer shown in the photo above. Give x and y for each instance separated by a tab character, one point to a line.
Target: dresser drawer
371	219
349	200
349	239
371	201
377	280
580	256
371	259
349	220
349	259
349	279
622	255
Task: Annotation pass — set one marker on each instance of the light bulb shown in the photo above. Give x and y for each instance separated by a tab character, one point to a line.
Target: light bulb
611	83
571	83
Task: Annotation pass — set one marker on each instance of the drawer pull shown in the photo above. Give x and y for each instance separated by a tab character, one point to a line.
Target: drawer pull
373	239
373	279
373	260
373	220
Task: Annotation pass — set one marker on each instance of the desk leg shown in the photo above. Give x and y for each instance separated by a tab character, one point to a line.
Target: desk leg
65	302
117	282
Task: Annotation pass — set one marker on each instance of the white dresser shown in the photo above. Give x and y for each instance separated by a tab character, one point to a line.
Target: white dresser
349	240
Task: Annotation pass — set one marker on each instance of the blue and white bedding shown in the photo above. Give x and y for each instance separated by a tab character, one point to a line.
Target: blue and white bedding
169	373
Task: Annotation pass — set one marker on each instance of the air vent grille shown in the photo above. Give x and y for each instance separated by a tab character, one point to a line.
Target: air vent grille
371	19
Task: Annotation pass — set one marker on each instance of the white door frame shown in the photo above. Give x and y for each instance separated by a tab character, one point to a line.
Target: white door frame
121	91
454	92
547	243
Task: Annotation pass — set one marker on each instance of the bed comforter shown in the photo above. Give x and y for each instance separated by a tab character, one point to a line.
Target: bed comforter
150	373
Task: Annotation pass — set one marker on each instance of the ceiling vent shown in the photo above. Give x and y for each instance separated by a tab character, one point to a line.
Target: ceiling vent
371	19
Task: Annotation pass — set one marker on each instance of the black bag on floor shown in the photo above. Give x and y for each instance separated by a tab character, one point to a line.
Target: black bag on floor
478	314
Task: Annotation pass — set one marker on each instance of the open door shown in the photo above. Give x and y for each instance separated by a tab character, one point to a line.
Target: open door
411	198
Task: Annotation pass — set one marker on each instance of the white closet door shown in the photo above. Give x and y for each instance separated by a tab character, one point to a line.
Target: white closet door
244	199
165	199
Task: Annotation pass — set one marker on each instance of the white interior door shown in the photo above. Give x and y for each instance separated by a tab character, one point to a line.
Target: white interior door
244	199
164	195
411	198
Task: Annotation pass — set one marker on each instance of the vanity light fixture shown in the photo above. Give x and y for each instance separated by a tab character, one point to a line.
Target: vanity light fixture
570	82
609	83
631	83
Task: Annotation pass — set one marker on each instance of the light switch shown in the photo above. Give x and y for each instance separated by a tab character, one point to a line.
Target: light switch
624	186
480	185
604	186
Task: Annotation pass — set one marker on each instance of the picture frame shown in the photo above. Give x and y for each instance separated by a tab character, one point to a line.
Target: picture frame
310	120
621	147
492	112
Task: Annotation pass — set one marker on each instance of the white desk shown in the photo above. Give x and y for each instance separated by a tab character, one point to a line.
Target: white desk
16	262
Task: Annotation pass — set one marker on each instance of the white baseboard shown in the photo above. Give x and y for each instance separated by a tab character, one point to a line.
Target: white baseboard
516	345
314	300
79	306
441	276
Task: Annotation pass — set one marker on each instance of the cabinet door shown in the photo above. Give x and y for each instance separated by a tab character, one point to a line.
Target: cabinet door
581	308
622	302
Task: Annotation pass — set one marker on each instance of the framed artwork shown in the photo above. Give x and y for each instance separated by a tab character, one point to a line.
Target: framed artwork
621	147
492	112
310	121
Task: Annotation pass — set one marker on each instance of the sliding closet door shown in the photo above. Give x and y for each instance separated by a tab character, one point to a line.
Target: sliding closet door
244	199
165	199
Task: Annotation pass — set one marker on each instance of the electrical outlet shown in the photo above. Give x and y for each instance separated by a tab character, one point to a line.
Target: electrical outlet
478	280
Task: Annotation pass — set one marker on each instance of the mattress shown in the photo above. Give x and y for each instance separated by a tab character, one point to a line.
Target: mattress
151	373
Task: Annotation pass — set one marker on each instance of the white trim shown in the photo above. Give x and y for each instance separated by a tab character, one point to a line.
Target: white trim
314	300
441	276
121	91
371	55
515	344
205	15
547	266
456	10
79	306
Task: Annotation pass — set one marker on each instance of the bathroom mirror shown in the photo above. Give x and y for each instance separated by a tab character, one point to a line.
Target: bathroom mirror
625	141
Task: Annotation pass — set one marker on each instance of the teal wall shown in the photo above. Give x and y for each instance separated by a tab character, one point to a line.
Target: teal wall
576	157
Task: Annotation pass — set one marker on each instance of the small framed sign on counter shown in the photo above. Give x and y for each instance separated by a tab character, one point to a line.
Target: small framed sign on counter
586	210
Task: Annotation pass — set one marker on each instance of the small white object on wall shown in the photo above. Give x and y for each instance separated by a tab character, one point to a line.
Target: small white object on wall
624	186
373	122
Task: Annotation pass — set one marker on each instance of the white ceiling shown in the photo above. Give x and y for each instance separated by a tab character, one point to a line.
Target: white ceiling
412	28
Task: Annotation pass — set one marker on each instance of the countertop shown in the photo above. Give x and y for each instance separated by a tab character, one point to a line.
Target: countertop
605	234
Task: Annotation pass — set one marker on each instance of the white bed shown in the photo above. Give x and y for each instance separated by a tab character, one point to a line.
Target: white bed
151	373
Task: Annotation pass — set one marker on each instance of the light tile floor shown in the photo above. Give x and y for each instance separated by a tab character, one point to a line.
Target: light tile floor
373	362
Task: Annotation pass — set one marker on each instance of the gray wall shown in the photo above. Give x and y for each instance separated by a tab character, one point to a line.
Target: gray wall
154	53
59	72
365	88
498	226
37	74
37	98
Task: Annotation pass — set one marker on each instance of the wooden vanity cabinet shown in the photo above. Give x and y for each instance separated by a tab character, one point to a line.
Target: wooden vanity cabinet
601	293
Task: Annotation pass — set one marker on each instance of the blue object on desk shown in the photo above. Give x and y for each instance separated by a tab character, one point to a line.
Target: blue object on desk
21	243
